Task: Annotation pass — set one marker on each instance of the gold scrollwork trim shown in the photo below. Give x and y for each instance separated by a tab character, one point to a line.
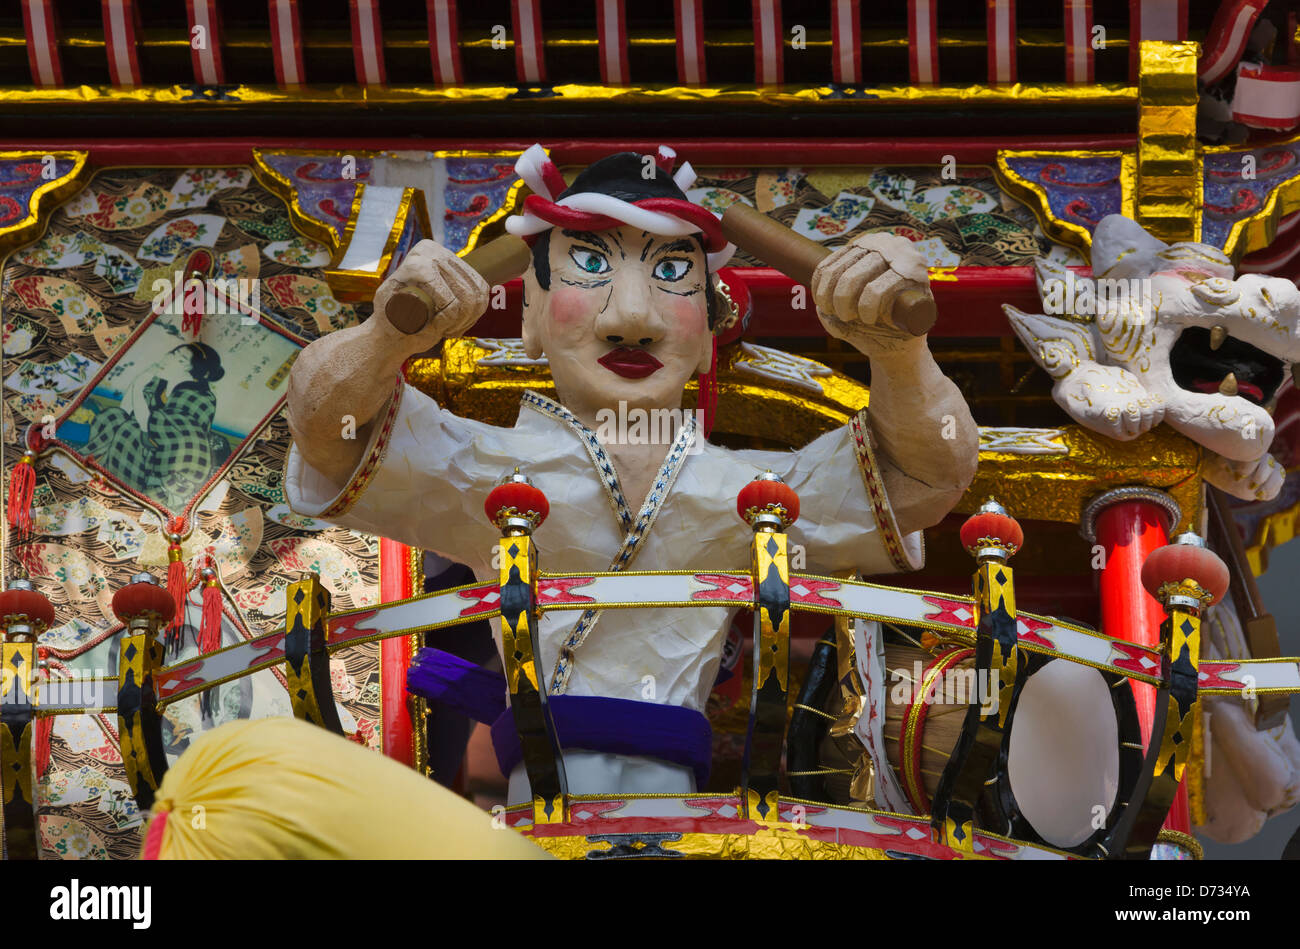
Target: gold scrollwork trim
1273	530
507	207
362	284
45	197
180	97
1256	231
279	185
778	843
344	240
1034	195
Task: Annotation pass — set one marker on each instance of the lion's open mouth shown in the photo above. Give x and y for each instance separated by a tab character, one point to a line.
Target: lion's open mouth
1232	368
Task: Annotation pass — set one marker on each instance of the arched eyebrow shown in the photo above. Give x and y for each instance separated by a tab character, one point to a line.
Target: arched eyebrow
589	237
681	245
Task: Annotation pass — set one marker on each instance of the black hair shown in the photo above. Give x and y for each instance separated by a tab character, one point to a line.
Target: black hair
205	362
622	176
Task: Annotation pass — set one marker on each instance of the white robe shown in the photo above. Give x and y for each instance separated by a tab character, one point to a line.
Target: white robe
427	472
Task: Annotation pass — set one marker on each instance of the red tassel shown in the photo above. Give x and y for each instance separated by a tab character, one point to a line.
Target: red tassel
177	587
22	485
44	725
192	315
210	624
708	401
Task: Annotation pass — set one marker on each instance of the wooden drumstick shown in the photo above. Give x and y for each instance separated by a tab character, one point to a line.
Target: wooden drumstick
797	257
411	308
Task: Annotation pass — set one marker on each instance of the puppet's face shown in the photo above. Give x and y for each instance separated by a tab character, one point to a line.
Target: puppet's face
625	318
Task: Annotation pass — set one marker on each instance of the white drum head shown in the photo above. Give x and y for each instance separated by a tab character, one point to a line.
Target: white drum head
1063	762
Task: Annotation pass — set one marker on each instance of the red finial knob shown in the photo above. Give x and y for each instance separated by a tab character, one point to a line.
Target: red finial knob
516	504
991	533
24	610
1185	571
767	501
143	598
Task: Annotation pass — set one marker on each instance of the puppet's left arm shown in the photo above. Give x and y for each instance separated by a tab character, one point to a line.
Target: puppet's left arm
926	442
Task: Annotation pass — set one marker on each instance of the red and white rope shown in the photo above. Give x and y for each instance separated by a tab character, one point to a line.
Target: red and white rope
1080	66
286	42
205	42
846	42
1154	20
41	30
444	42
1001	19
530	52
1226	40
688	21
367	42
120	21
611	31
667	217
923	42
769	66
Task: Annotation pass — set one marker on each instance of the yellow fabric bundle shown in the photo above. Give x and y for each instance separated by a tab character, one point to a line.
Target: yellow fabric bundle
280	788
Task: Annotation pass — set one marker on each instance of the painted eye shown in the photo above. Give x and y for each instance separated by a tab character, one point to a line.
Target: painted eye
674	268
589	261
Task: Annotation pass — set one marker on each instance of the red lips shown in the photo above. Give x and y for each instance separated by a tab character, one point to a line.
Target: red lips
630	363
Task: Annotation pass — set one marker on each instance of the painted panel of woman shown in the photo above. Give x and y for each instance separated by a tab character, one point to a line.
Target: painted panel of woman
160	439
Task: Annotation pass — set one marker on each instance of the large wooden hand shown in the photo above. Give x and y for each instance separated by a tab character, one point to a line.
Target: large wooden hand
865	289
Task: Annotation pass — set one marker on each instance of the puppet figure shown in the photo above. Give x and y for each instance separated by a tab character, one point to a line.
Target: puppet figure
620	298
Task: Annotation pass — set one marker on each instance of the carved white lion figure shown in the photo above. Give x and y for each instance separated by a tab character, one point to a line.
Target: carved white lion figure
1165	333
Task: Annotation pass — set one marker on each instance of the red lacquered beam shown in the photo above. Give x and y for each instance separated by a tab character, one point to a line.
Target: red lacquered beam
395	583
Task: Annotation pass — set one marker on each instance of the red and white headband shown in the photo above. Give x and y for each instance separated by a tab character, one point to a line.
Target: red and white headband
592	211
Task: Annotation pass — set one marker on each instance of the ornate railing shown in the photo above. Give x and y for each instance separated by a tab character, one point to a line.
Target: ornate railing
1183	576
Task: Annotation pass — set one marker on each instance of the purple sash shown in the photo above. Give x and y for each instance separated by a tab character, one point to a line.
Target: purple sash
670	733
450	680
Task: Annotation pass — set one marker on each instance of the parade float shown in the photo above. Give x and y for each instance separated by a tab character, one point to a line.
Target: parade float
182	218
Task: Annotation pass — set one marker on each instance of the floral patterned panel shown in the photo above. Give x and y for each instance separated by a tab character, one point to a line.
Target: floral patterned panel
962	221
68	302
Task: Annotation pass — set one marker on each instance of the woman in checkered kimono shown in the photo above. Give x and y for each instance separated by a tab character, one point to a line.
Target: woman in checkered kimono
161	443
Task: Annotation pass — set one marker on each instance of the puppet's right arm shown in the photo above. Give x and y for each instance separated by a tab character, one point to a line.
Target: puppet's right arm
341	382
